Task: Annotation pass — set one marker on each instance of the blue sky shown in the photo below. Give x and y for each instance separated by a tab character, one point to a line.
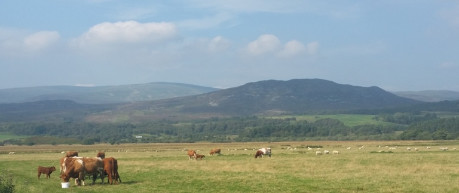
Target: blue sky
396	45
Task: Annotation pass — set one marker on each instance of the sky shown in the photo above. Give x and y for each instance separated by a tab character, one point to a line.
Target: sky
408	45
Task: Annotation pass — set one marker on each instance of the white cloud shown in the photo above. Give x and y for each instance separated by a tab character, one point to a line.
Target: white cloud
127	32
292	48
218	44
41	40
264	44
312	48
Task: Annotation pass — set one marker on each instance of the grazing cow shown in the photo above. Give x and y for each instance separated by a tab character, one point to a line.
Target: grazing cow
71	154
111	170
78	167
199	156
45	170
72	168
259	153
101	155
215	151
191	154
266	151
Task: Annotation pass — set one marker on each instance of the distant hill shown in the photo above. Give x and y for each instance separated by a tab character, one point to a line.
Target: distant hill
102	94
430	95
274	97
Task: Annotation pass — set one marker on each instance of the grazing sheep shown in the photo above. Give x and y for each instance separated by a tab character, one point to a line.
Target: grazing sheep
318	153
335	152
326	152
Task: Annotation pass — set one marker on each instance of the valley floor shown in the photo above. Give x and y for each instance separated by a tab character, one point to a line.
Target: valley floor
359	166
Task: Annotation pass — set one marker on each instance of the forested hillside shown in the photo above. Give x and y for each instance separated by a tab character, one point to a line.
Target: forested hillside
261	111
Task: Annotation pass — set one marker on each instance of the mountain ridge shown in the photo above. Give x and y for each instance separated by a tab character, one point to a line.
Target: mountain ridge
270	97
102	94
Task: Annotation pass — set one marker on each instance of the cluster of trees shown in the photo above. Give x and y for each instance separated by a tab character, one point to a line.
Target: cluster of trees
411	126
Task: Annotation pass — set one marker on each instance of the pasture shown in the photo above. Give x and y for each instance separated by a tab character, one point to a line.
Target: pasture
360	166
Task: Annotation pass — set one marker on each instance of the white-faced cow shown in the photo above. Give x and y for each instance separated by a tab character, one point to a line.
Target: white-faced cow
78	167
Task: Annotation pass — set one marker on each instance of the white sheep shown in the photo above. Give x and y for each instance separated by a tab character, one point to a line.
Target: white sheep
318	153
335	152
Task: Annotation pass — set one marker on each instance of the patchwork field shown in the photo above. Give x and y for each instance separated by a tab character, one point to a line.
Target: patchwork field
360	166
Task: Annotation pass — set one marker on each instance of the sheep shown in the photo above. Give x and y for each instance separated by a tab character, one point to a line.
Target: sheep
326	152
318	153
335	152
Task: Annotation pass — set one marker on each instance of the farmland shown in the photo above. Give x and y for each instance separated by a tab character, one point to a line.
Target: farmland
368	166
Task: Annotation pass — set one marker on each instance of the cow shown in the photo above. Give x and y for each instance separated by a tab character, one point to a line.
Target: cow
199	156
101	155
78	167
111	170
259	153
71	154
215	151
45	170
72	168
191	154
266	151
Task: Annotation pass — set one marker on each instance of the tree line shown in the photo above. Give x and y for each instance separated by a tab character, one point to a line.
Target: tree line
412	126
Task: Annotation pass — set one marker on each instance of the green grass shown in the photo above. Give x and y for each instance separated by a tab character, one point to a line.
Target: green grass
6	136
166	168
347	119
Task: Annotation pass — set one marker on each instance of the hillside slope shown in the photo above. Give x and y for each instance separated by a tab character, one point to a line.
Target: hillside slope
430	95
276	97
102	94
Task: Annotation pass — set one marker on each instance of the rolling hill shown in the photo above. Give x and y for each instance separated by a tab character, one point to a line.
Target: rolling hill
430	95
271	97
102	94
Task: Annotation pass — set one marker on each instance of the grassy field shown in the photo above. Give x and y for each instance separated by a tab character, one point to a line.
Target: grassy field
368	166
348	119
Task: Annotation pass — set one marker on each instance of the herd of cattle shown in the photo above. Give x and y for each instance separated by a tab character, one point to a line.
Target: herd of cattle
259	154
72	166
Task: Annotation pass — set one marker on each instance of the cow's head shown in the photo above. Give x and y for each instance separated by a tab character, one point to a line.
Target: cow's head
65	177
51	169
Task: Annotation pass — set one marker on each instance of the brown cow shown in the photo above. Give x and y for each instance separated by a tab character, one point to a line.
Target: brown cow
72	168
199	156
46	170
101	155
215	151
71	154
78	167
259	153
191	154
111	169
